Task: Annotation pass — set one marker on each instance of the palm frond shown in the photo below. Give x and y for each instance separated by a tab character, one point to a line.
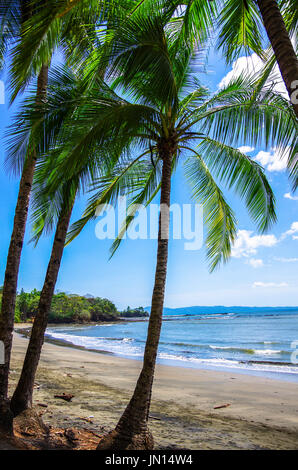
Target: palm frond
245	176
147	189
241	29
237	113
124	178
10	21
218	216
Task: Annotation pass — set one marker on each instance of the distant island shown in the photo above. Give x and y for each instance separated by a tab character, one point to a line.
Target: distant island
221	309
72	308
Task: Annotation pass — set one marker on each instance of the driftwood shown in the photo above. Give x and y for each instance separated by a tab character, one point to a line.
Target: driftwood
65	396
221	406
154	417
88	420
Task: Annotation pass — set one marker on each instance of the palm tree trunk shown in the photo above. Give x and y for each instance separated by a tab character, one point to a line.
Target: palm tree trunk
281	44
13	261
22	397
132	430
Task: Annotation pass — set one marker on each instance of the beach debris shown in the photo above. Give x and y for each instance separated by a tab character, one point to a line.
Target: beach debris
221	406
154	417
65	396
88	420
92	432
44	405
71	436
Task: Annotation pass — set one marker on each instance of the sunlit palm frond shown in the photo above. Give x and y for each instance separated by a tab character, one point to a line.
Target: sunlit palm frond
241	29
124	178
245	176
218	216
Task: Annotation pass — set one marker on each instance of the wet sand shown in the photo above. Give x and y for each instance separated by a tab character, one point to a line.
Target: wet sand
263	413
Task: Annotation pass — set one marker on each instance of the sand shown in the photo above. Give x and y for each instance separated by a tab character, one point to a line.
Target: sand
263	413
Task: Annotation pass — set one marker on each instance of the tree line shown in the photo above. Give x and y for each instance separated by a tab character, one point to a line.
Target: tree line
71	308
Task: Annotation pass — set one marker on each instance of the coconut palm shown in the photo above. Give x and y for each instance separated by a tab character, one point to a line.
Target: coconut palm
52	208
73	27
241	24
169	117
22	397
14	18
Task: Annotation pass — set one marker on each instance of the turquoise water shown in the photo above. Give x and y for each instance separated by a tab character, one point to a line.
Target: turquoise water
258	343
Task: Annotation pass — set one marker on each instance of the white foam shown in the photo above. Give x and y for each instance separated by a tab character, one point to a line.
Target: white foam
122	346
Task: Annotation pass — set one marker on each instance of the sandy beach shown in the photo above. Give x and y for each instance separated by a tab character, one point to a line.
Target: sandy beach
263	413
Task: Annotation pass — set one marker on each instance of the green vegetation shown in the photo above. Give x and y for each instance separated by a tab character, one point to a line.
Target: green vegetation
71	308
134	312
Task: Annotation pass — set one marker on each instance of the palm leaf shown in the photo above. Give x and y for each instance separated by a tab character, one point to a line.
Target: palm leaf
219	217
245	176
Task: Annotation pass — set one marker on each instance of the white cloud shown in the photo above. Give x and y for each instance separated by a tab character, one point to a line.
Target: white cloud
250	66
293	230
256	263
273	160
269	284
246	149
286	260
289	196
247	244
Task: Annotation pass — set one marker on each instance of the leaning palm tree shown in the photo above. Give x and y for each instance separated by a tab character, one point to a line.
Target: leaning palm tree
53	207
111	15
14	16
73	29
170	117
241	23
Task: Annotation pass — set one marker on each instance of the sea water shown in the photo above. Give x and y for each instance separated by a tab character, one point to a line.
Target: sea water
257	343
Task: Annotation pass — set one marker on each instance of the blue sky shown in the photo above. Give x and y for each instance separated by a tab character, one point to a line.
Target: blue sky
262	270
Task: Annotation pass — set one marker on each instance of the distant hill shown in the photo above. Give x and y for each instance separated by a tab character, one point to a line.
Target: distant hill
198	310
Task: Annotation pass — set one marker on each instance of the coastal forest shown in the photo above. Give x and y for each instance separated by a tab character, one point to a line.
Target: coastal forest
71	308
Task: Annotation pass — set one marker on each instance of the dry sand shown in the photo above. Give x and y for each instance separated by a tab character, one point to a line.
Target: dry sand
263	412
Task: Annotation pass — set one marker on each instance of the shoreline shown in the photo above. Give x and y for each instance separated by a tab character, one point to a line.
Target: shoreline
284	376
263	413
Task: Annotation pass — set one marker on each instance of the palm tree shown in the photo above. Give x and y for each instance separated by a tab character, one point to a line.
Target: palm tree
169	116
73	27
240	24
54	204
22	396
14	20
84	33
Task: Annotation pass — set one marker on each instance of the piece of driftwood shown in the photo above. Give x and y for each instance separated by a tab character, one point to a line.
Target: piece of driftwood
65	396
88	420
221	406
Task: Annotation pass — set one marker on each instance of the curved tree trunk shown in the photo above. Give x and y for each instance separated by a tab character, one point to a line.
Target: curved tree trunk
22	397
282	46
132	430
13	261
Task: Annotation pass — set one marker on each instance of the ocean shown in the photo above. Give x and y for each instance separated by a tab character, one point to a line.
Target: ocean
255	343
